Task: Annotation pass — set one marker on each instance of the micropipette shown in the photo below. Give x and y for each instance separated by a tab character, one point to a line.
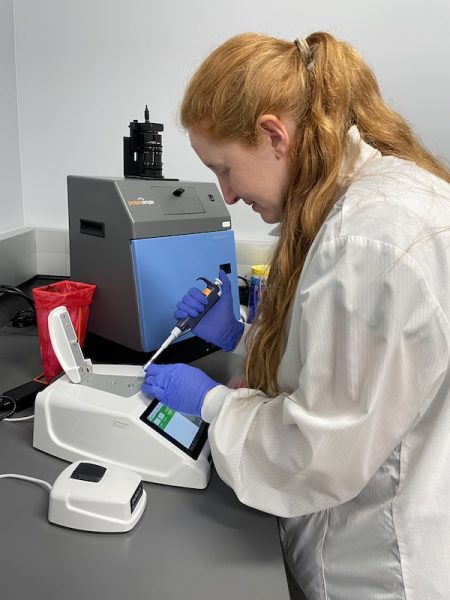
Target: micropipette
212	292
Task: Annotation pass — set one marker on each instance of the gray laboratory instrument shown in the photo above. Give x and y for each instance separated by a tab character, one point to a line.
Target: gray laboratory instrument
143	239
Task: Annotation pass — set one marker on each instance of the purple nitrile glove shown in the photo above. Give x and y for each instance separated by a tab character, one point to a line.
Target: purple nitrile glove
219	326
180	387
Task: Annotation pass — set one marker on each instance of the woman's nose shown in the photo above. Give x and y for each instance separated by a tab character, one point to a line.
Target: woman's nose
227	193
231	199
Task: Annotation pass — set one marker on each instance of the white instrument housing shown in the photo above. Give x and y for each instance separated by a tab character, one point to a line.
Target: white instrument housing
97	497
104	418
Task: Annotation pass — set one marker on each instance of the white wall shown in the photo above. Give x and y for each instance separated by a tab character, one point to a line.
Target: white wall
11	210
86	68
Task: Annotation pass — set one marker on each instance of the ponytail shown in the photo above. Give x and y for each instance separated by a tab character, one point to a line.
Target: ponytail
325	87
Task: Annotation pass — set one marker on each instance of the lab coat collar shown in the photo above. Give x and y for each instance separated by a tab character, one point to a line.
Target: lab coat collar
276	230
356	154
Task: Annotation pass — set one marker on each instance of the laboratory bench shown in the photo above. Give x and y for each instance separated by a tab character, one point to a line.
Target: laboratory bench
190	544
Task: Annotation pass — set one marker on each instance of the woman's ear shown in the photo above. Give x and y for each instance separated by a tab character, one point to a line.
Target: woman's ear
278	132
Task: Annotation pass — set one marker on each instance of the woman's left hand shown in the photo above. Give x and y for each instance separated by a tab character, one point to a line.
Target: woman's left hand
179	386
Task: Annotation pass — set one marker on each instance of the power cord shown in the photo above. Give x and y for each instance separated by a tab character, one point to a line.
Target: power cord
25	317
244	291
40	482
9	411
20	398
16	419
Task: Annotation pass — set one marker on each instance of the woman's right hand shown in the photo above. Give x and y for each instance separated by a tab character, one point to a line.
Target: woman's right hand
219	326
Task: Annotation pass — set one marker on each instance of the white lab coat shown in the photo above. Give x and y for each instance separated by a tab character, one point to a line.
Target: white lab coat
354	454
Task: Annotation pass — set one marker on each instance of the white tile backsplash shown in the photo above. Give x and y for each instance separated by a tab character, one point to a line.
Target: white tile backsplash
52	257
252	253
51	240
17	256
51	263
28	252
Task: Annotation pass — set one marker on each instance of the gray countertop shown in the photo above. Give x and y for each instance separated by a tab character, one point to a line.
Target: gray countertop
189	544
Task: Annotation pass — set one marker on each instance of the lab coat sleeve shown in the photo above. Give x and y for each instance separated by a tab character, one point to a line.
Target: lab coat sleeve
240	349
368	344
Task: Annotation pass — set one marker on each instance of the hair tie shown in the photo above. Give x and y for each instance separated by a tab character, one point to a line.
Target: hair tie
305	52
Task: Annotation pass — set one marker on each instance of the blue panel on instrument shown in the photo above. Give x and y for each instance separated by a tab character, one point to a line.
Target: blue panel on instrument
166	267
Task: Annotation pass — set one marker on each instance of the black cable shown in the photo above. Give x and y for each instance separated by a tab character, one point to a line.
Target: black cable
8	400
24	318
10	289
244	291
245	280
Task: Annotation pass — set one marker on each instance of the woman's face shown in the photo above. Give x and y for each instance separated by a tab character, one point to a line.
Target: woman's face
257	175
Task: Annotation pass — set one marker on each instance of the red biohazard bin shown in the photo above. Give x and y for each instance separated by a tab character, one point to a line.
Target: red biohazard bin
76	297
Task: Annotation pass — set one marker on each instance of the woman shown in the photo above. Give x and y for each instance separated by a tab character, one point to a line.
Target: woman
342	429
